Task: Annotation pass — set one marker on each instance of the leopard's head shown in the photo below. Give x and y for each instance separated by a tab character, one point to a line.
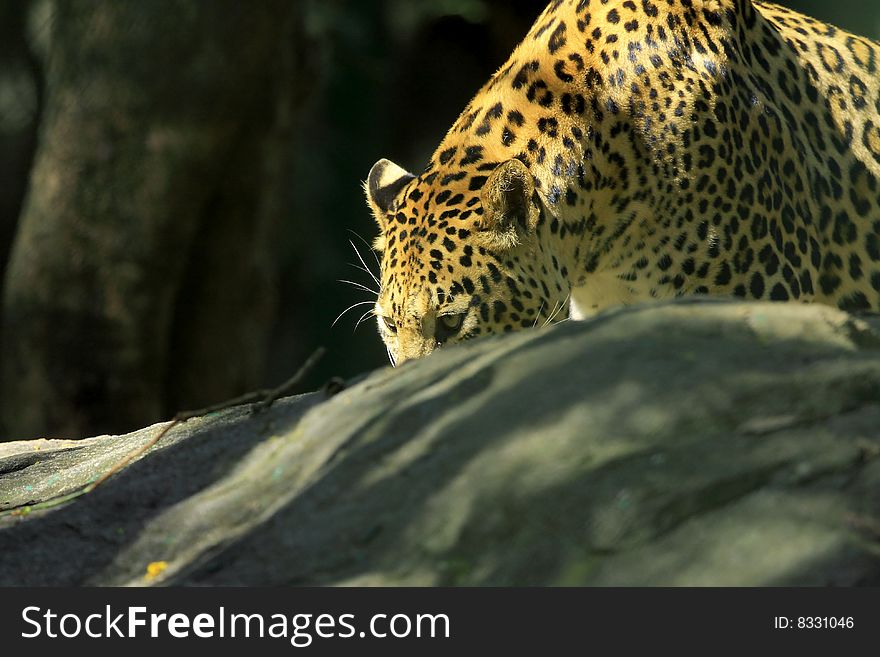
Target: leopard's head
461	255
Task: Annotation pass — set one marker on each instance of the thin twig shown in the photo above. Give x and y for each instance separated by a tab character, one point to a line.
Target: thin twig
262	398
270	396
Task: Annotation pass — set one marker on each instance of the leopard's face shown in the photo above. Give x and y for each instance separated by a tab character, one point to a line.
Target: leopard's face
457	262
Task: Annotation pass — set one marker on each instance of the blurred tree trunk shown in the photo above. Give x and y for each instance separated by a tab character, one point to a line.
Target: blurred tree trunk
142	276
19	114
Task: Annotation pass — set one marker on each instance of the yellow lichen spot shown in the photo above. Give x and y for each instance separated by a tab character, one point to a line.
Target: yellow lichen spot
154	569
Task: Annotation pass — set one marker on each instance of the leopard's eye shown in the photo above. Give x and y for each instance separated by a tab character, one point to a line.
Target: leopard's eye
447	326
452	322
389	324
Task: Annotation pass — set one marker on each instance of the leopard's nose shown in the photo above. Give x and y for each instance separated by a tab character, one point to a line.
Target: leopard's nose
415	347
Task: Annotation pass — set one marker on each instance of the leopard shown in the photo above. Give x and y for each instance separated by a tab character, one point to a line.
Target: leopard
639	150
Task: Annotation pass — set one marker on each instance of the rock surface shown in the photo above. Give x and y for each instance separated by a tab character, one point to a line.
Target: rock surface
690	443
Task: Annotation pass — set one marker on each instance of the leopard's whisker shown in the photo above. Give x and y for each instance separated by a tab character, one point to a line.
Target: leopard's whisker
359	268
358	253
369	246
565	304
556	312
359	286
538	314
371	311
354	305
550	316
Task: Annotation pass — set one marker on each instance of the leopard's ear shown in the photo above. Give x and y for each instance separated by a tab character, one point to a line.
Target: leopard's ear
382	186
508	211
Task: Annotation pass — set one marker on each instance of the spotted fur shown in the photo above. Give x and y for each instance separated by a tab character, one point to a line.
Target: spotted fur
640	149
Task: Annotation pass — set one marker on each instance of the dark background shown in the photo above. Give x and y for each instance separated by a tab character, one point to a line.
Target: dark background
180	179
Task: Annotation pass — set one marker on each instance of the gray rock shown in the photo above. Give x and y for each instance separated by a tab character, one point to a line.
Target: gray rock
688	443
